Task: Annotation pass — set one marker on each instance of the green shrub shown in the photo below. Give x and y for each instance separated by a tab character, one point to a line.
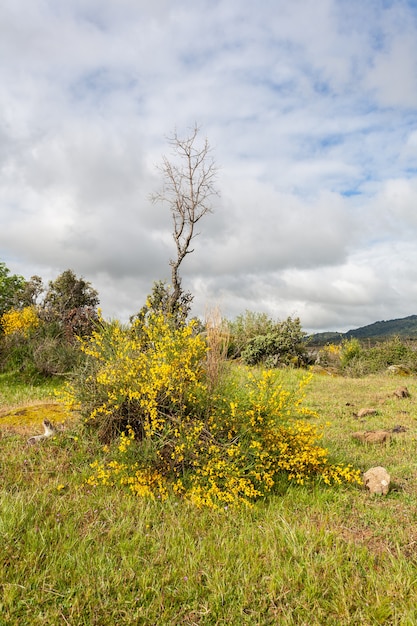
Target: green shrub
259	340
359	360
245	328
40	350
161	300
39	336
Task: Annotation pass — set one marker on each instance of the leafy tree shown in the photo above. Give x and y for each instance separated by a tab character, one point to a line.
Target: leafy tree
67	292
71	303
11	288
32	291
188	186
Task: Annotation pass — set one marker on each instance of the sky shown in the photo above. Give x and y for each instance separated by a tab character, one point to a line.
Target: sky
309	107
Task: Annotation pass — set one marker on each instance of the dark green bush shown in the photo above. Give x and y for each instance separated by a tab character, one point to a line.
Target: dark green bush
259	340
245	328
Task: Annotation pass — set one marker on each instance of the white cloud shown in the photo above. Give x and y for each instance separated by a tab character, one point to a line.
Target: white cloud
393	71
310	108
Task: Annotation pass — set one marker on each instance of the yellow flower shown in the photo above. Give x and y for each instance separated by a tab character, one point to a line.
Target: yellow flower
20	320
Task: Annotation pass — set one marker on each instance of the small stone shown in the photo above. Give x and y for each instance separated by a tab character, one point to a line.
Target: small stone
402	392
377	436
377	480
365	412
399	370
372	436
399	429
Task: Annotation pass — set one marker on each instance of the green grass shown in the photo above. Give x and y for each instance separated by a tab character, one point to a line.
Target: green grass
14	391
312	555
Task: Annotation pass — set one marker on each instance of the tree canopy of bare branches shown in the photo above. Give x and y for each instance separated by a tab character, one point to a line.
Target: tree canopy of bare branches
188	188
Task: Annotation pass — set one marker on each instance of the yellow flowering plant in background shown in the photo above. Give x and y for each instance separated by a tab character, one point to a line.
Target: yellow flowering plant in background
215	445
20	320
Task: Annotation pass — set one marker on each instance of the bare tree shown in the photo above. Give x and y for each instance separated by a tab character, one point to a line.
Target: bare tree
188	187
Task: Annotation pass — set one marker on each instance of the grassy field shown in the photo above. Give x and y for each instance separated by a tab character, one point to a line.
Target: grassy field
311	555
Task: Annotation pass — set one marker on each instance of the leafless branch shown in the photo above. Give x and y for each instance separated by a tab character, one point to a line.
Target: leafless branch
188	188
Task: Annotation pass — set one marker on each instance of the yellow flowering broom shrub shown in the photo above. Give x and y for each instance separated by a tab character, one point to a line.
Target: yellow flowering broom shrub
215	447
145	374
20	320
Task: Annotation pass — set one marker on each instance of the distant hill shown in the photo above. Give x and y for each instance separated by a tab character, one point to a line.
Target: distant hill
405	327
